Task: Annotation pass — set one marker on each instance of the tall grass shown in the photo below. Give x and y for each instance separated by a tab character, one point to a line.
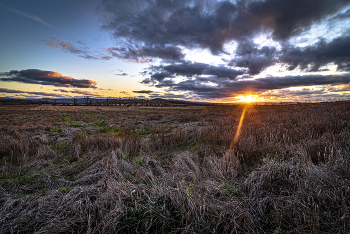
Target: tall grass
170	170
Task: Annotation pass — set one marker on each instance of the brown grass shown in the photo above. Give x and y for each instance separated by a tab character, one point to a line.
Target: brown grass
170	170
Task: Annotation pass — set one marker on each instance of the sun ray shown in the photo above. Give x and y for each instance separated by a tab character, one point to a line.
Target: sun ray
238	132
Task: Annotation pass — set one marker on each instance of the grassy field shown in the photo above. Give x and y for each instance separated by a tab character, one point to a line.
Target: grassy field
175	169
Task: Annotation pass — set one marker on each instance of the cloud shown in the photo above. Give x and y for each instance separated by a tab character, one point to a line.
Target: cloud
210	24
311	58
122	74
106	57
78	91
3	90
159	76
29	16
82	51
190	69
143	91
340	88
303	94
168	95
68	47
145	54
229	88
146	81
169	53
248	55
36	76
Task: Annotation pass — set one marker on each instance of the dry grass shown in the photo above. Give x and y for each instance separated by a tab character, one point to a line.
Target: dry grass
170	170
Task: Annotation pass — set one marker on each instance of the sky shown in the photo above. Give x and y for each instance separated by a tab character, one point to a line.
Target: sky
198	50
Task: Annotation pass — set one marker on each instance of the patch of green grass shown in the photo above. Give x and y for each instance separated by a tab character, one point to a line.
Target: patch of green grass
70	177
27	179
193	146
101	124
91	115
64	189
9	176
71	160
71	122
64	115
139	161
86	131
21	179
232	188
61	147
144	131
161	160
55	129
44	191
94	116
109	129
154	139
192	187
166	122
156	215
22	195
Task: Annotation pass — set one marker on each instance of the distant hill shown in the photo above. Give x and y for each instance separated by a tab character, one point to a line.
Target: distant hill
28	101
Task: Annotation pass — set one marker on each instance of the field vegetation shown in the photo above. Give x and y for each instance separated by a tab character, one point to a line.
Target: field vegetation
88	169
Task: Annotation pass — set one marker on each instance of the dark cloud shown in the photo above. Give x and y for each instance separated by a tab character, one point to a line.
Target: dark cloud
36	76
143	91
248	55
341	16
122	74
209	24
159	76
311	58
288	18
229	88
146	81
3	90
165	84
145	54
170	53
191	69
160	73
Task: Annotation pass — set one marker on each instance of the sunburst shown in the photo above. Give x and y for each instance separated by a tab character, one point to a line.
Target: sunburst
247	98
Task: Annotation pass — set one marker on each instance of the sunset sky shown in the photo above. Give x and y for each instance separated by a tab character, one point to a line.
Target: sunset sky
199	50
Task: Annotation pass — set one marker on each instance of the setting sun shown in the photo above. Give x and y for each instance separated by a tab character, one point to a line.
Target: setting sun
248	98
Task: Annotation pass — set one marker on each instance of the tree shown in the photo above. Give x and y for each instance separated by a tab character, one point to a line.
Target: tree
88	100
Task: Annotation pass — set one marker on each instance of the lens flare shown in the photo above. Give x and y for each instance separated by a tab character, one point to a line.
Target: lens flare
238	132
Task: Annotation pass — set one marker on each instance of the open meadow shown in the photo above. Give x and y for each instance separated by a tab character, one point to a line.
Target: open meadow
191	169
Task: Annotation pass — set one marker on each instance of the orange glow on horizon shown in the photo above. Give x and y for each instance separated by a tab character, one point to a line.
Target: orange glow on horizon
248	98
